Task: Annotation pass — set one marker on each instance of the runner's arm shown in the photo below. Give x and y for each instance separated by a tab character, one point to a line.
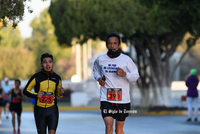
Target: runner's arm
2	94
132	74
58	89
9	94
23	97
97	70
27	90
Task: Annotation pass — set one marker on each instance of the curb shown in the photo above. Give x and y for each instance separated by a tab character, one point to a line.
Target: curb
163	112
177	112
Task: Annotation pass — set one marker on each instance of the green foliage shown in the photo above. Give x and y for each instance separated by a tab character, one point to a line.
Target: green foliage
16	63
12	10
10	37
86	19
165	24
179	16
90	19
43	40
154	27
157	26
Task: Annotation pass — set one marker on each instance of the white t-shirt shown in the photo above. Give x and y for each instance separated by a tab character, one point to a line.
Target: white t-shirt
107	66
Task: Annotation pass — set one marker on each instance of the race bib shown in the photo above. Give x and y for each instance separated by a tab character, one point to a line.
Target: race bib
15	100
114	94
47	97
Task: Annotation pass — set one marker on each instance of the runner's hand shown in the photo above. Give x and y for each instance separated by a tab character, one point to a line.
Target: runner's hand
40	93
61	91
101	82
120	72
18	97
9	100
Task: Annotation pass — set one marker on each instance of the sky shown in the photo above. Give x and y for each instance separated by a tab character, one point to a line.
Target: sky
38	6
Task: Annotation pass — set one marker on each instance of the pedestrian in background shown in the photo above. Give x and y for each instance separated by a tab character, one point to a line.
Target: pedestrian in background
192	95
6	102
16	104
1	100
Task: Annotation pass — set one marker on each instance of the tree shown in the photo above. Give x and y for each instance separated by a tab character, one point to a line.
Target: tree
154	28
44	40
75	18
190	61
13	10
16	62
162	30
10	37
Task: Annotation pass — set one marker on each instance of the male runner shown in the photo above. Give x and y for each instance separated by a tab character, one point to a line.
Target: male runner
114	71
47	86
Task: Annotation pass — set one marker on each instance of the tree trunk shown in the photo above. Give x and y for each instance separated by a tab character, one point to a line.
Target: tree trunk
167	96
161	98
155	52
157	98
144	100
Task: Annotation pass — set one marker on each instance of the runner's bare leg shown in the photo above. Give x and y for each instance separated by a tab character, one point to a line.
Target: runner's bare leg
51	132
109	124
119	127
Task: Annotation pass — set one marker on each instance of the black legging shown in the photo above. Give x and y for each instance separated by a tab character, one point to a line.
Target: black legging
46	117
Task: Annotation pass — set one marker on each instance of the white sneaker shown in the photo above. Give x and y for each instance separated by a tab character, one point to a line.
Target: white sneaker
0	122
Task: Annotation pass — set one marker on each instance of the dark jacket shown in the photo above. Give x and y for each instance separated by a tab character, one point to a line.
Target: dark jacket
192	83
49	84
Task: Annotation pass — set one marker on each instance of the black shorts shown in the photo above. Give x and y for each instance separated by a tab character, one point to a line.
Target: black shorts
1	102
46	117
115	110
16	107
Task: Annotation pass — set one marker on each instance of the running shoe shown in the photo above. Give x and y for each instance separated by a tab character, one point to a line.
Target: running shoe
195	119
18	131
189	119
14	132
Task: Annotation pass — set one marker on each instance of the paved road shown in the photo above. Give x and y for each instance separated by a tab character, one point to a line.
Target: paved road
90	122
